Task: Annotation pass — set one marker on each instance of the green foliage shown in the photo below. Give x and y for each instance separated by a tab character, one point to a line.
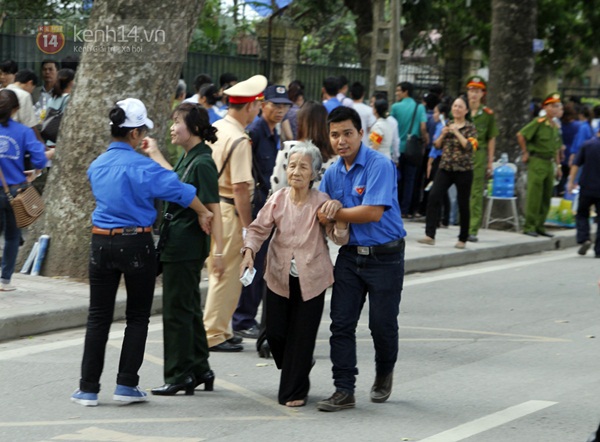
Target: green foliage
330	36
568	28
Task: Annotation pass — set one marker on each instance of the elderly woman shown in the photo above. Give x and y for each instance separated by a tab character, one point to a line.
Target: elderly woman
298	270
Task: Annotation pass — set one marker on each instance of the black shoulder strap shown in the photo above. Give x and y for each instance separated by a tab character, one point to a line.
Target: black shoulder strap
412	122
233	146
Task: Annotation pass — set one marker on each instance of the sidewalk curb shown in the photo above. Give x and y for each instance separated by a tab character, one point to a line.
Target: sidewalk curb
44	318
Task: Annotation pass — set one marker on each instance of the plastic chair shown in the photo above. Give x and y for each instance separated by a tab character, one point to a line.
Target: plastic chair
514	218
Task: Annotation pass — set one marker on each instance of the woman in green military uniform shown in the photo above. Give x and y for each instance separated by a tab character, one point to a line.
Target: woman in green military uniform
540	144
484	120
186	249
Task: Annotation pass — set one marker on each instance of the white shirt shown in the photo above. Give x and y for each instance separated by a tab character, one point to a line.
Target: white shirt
383	133
367	119
26	113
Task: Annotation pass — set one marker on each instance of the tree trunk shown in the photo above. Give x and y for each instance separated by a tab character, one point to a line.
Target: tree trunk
158	34
511	73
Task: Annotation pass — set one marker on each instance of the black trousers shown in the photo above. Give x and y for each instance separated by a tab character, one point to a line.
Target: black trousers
442	182
582	220
112	256
292	331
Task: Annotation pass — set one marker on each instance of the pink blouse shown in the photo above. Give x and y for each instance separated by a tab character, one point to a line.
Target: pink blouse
297	235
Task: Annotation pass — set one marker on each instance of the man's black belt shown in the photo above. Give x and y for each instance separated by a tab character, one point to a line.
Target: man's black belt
383	249
227	200
541	157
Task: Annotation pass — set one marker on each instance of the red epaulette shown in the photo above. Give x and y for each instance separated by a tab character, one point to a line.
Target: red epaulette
488	111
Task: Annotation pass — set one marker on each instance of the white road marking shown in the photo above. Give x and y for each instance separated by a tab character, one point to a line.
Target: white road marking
488	422
50	346
150	420
95	434
416	279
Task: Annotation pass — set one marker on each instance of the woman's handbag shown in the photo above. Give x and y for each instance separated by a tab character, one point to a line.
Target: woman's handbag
27	205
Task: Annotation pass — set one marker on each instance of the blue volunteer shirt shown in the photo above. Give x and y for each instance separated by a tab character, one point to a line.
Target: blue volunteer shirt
435	153
16	140
125	185
331	104
371	181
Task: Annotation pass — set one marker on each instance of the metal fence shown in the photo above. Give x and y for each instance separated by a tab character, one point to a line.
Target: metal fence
313	75
23	49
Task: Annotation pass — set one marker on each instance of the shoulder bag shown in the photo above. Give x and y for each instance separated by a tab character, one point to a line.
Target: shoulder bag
51	123
414	149
27	205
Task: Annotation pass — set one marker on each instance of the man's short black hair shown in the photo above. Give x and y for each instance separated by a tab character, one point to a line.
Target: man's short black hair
357	91
343	113
26	75
49	60
9	67
407	86
331	86
343	81
201	80
227	78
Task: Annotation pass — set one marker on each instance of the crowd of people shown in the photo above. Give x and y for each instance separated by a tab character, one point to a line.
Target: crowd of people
257	179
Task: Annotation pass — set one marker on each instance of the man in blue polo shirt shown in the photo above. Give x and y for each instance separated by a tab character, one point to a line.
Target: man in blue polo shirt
362	185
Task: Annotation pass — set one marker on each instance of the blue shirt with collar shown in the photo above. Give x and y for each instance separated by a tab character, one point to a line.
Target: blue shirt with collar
371	181
16	140
265	145
125	184
331	104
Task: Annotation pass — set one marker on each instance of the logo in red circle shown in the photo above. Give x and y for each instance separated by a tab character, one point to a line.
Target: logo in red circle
50	39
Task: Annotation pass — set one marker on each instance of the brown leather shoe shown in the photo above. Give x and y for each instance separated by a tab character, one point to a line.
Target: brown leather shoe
427	240
382	388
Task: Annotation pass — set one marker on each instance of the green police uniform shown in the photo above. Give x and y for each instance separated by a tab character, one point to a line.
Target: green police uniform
543	142
186	249
485	122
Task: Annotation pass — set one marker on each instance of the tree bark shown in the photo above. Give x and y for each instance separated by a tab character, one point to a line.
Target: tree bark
511	75
102	79
511	68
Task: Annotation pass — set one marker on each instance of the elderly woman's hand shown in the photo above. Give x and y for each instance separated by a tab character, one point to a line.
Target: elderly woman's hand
323	219
217	268
330	208
149	146
247	261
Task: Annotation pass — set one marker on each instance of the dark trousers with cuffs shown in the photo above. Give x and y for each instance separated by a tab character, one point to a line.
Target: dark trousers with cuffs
442	182
292	332
184	337
112	256
382	277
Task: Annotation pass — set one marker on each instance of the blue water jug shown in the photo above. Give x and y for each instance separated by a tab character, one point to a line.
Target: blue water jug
504	179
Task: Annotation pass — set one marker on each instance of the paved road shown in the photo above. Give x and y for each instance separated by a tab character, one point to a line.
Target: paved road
493	352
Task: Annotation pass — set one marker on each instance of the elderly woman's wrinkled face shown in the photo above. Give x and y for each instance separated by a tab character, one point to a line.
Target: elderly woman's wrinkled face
459	108
299	171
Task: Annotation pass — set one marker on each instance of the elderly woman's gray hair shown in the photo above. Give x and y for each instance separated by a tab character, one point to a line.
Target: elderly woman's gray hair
308	148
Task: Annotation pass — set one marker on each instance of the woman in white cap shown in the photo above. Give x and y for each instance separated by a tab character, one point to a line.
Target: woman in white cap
125	184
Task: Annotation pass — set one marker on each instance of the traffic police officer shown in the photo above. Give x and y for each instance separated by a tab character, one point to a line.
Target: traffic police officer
232	154
540	144
484	120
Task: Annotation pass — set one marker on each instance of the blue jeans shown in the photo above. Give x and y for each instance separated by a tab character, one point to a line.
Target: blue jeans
12	236
356	275
110	257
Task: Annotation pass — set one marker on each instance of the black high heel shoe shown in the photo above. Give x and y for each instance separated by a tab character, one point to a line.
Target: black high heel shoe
208	379
171	389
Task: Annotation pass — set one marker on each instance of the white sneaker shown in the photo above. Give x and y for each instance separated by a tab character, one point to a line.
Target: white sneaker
7	287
